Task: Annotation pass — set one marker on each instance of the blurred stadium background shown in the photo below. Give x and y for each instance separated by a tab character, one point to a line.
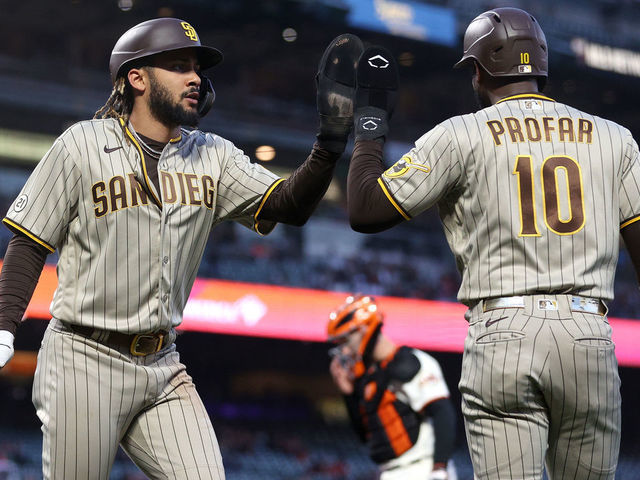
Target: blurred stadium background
263	373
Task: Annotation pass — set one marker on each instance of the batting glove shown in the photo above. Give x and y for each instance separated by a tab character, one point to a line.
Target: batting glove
6	347
336	85
377	79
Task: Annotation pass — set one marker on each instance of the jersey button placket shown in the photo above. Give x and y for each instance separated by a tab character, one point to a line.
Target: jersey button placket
165	267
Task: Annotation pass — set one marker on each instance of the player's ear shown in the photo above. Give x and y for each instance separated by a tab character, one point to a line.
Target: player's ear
138	79
478	72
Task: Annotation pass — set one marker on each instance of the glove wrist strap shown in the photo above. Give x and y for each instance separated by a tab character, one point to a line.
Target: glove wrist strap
371	123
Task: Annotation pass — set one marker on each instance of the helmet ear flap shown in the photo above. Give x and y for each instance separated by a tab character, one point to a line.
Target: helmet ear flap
207	96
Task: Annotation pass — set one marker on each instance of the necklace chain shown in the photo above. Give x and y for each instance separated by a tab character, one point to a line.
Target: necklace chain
150	151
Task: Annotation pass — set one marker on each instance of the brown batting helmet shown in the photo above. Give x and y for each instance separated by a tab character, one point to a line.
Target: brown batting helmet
156	36
507	42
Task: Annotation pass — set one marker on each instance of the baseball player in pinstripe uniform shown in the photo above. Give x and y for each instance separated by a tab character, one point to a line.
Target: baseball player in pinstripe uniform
533	195
128	200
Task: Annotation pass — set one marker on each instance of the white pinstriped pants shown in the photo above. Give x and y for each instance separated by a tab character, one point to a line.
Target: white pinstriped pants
91	398
540	386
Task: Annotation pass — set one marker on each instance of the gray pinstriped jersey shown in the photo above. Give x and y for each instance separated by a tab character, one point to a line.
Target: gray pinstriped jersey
532	195
124	263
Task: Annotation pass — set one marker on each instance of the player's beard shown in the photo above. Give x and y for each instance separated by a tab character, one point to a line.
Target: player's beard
165	110
482	101
481	96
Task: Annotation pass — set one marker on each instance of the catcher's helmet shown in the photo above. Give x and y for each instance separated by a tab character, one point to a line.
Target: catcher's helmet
357	311
164	35
507	42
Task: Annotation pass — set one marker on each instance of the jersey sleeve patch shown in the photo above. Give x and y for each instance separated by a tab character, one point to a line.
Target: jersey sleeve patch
403	165
14	227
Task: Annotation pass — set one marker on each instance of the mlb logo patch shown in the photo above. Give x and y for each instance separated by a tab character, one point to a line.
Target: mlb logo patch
531	104
547	304
524	68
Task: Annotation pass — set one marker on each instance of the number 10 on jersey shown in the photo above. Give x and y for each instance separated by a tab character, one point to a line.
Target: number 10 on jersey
562	195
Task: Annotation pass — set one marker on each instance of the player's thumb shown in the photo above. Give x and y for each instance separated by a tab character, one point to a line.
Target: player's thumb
6	347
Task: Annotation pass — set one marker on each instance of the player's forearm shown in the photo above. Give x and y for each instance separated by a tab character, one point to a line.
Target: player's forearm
351	402
443	418
294	200
22	265
369	209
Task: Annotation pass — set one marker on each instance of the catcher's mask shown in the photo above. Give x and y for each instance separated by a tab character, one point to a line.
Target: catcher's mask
163	35
359	312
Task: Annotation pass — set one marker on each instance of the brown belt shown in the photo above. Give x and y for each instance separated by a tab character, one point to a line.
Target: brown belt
138	344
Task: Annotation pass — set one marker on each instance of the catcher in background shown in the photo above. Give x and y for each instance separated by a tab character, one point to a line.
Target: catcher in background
396	396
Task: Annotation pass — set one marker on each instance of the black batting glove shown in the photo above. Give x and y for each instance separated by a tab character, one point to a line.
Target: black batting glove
376	92
336	85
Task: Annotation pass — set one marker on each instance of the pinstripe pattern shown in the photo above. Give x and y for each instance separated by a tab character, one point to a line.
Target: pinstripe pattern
532	195
153	282
127	265
535	376
459	166
90	397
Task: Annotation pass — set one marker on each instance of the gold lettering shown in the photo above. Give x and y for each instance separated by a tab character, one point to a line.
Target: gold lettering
515	130
565	128
496	129
118	193
585	131
189	31
533	129
192	187
99	199
168	188
208	190
547	128
137	191
183	195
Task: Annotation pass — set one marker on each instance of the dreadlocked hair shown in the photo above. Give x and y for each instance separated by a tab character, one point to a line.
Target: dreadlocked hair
119	104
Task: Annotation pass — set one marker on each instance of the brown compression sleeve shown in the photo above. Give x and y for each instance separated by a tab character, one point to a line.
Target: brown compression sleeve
21	268
631	237
370	210
294	200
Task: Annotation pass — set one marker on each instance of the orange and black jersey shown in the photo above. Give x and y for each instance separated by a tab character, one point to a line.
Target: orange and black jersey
389	422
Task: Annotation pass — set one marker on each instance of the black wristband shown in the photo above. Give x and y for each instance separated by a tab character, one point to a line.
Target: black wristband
371	123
